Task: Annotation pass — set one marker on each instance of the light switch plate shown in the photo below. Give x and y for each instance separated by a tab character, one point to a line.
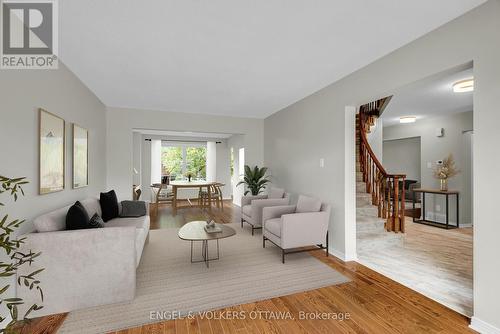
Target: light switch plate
322	163
429	165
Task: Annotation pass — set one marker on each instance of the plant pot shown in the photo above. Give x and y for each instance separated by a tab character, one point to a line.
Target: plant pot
444	184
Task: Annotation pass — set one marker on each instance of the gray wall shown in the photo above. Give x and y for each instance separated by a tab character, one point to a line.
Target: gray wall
319	126
22	92
435	148
402	156
59	92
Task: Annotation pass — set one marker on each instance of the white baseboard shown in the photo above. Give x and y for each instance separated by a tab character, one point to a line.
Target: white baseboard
342	256
352	257
483	327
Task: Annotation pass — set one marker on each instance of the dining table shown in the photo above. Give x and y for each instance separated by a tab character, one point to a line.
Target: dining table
193	184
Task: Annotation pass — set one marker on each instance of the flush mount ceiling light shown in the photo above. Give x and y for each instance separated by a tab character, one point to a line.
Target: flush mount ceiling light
464	86
407	119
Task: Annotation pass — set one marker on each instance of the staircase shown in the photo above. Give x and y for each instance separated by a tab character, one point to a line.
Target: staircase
378	209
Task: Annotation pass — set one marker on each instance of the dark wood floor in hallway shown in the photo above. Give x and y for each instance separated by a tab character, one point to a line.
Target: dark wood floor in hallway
373	303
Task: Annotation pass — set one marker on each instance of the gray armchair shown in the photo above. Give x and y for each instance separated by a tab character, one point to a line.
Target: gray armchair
294	226
252	206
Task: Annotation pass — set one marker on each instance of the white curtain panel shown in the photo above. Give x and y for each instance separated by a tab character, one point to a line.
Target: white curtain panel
155	161
211	163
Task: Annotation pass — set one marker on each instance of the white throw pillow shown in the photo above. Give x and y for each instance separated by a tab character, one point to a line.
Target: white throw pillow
308	204
52	221
276	193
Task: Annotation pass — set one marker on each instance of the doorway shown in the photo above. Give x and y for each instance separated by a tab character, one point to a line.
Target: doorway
424	124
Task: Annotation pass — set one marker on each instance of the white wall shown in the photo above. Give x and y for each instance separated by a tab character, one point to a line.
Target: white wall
236	142
435	148
137	157
59	92
223	170
146	169
375	138
120	123
298	136
402	156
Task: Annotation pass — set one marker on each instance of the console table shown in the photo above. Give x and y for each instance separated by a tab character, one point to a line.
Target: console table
446	193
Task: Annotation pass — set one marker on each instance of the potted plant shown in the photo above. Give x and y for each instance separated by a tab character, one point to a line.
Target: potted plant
15	259
445	171
255	179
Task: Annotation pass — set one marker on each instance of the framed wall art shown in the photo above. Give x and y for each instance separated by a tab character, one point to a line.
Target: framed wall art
52	142
80	157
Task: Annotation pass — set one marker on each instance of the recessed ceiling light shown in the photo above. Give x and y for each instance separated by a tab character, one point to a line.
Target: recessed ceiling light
407	119
464	86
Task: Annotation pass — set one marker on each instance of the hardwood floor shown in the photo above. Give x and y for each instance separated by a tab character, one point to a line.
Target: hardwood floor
373	303
163	218
430	260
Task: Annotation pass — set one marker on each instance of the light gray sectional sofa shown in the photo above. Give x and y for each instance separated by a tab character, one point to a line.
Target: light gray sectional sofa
84	268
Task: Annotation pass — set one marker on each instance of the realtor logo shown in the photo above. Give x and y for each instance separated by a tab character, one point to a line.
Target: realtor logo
29	34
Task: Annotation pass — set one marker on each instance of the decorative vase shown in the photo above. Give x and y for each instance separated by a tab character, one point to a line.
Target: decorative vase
189	178
444	184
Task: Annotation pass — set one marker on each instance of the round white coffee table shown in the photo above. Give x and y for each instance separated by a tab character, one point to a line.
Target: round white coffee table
195	231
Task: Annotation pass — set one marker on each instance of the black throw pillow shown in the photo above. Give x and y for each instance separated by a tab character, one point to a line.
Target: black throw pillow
96	221
77	217
109	205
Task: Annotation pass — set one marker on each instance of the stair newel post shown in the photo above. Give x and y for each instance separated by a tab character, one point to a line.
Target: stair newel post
402	212
397	220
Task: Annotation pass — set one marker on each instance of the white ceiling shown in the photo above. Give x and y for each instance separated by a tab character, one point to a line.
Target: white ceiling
430	97
183	133
233	57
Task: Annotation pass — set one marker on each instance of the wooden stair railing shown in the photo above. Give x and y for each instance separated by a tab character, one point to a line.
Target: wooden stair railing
385	188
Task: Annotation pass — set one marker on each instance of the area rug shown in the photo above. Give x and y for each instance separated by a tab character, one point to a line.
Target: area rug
168	283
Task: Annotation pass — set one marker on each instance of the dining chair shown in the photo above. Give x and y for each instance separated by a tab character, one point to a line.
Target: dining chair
162	193
215	196
136	192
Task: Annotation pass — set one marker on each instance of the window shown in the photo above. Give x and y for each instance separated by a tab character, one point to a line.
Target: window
172	161
196	160
177	161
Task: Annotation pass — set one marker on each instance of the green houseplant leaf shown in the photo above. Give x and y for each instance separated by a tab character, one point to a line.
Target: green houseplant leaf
11	247
255	180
